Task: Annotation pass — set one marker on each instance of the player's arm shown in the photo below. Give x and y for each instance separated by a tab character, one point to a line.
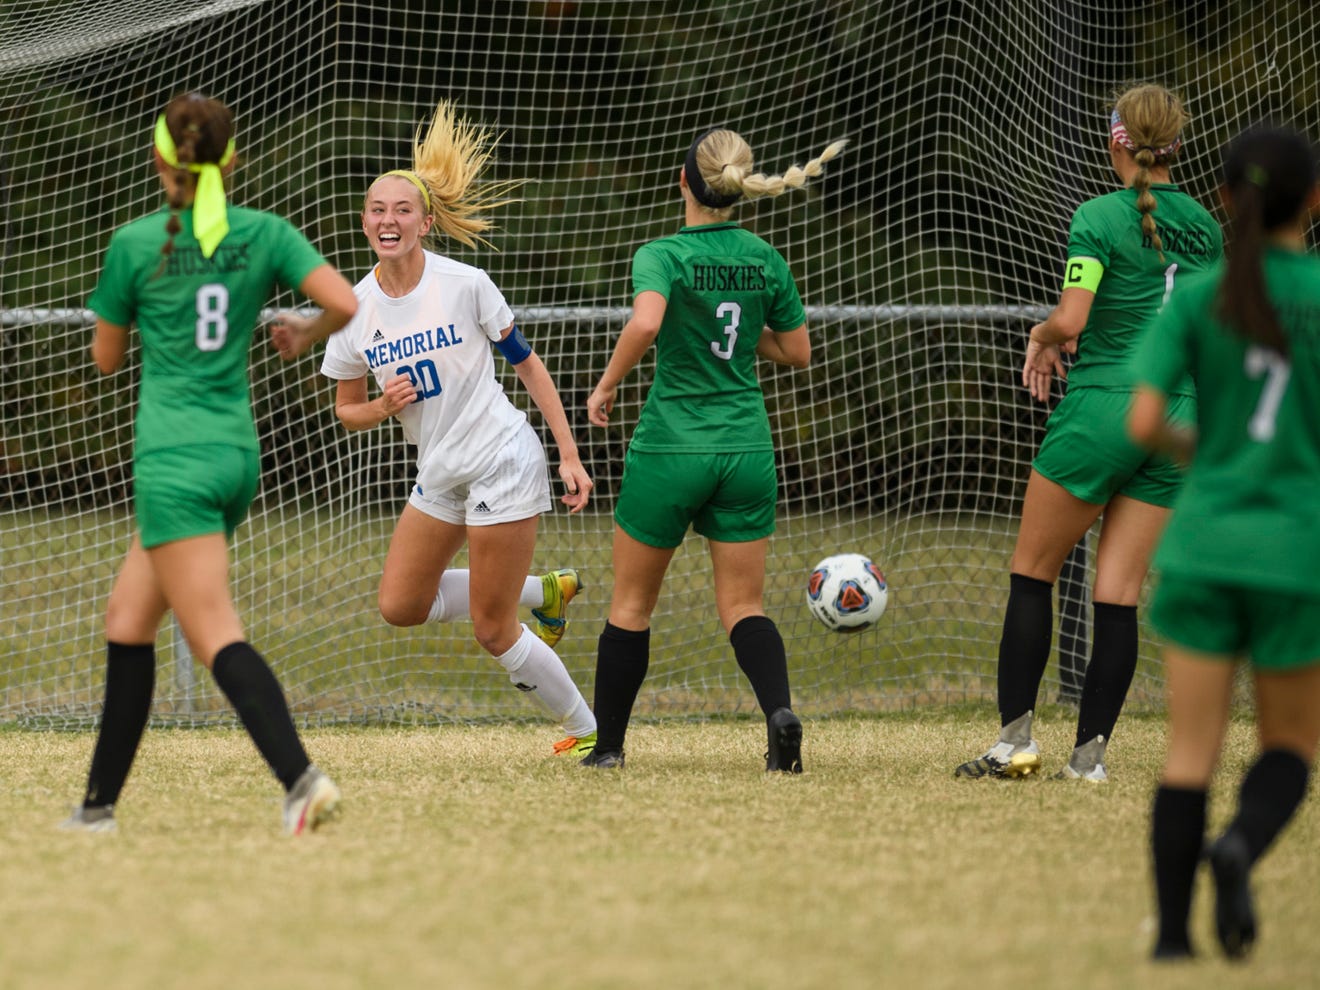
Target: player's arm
1149	427
531	371
792	347
1056	334
1067	320
292	334
357	412
109	345
635	339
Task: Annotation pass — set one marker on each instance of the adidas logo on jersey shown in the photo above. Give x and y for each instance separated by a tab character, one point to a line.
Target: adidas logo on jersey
481	507
377	336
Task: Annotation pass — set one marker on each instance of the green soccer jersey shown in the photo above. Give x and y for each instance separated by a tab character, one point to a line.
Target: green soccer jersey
195	317
1135	281
1247	513
723	285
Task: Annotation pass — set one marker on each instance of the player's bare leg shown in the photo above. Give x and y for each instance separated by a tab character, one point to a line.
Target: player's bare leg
194	574
499	557
421	548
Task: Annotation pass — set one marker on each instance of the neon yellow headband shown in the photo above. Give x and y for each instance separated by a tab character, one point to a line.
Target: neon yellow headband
210	224
415	179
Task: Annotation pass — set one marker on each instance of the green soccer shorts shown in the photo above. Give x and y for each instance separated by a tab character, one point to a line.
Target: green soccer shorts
1087	451
729	498
1275	630
197	490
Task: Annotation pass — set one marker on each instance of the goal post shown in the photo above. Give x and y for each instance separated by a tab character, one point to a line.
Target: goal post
923	254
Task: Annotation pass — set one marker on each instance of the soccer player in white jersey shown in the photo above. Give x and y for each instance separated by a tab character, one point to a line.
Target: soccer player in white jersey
424	329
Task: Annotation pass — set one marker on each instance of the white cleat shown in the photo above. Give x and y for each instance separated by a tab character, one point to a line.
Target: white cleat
311	802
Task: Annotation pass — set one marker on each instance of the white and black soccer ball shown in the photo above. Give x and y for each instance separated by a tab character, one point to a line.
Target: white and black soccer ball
847	592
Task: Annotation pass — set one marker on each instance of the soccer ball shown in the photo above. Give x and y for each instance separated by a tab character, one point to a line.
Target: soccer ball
847	592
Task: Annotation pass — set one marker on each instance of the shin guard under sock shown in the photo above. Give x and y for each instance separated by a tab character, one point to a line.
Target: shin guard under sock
1177	836
252	689
1024	646
1270	793
759	649
622	659
1109	674
130	679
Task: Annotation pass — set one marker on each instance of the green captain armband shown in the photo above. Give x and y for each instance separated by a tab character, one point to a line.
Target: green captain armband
1082	273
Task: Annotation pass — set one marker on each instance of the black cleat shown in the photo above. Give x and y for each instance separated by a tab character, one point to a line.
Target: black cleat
603	759
1172	952
1235	918
785	746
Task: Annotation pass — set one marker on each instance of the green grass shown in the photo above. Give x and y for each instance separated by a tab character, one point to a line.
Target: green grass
305	583
468	857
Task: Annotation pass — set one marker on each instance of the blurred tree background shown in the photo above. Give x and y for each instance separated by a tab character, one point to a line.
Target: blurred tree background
926	249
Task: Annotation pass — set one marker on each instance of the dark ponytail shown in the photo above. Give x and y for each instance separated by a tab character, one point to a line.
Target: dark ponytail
1268	174
201	129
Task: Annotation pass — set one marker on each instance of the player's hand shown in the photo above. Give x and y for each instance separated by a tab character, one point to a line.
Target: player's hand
600	404
577	482
1043	362
399	393
289	334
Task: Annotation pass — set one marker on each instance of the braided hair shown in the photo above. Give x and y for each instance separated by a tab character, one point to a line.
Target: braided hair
202	128
720	171
1147	120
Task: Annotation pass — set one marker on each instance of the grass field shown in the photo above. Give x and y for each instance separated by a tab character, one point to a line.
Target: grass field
467	857
306	583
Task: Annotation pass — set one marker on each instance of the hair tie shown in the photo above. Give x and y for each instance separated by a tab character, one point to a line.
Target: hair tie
705	195
1256	175
210	219
415	179
1120	134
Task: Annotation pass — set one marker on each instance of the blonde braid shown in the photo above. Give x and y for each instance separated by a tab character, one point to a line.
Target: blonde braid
725	161
1145	159
1151	120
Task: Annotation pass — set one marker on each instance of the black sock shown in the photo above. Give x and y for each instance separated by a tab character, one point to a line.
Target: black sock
1270	793
1109	674
1177	825
622	658
252	689
759	650
130	678
1024	647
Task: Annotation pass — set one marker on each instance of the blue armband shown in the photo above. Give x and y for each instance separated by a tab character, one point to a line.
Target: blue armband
514	347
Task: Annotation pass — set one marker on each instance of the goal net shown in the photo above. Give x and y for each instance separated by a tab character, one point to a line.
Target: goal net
923	255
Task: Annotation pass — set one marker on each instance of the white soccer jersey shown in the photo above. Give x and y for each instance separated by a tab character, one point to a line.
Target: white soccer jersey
439	335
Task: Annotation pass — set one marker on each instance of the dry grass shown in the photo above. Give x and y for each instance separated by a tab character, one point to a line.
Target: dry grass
466	857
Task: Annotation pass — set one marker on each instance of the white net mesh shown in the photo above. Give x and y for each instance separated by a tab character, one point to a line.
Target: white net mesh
923	255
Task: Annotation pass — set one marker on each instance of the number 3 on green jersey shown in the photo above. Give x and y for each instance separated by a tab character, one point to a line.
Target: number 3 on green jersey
731	313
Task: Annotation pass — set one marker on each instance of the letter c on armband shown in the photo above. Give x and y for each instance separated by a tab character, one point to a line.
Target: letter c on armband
1083	273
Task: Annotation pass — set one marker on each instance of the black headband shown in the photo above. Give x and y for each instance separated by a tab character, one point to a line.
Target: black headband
703	193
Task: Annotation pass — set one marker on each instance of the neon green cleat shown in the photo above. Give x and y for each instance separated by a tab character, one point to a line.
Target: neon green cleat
576	746
560	588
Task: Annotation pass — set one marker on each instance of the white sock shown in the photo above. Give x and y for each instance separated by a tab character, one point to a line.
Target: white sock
533	593
537	670
452	601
